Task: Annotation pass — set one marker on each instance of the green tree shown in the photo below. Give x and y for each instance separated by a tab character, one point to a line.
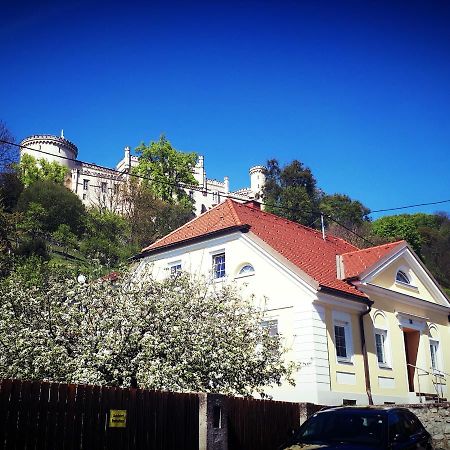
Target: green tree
168	169
59	205
106	237
435	249
64	237
31	170
150	218
348	212
10	189
9	153
291	192
405	226
178	334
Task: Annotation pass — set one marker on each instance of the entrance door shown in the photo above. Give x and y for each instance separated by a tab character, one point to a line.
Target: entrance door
411	338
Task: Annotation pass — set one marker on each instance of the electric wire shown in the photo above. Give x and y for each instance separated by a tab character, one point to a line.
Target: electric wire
220	193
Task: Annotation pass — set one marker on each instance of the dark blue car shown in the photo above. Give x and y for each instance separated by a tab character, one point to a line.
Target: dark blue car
352	428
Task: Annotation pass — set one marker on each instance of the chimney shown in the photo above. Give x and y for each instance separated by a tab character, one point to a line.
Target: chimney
253	204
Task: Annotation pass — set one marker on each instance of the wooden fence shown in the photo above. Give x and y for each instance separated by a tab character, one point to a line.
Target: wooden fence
38	415
259	424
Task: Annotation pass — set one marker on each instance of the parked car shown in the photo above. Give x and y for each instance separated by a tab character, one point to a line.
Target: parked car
358	428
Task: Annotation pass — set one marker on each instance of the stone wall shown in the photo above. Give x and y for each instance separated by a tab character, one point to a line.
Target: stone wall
436	419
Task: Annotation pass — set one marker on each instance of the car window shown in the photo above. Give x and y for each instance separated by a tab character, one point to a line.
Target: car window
348	427
413	424
396	426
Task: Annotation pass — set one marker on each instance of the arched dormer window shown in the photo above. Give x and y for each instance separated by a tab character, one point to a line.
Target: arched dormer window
402	277
246	269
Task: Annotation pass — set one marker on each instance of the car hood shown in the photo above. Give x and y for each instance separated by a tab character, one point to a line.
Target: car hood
336	446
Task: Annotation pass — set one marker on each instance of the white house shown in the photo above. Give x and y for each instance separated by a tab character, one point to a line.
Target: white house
100	186
367	325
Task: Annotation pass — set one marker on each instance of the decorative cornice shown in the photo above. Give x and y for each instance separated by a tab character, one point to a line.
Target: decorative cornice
50	139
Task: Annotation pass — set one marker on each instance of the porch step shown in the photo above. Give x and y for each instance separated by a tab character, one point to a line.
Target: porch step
432	398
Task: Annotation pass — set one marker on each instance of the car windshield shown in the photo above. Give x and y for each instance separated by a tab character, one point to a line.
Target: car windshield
348	427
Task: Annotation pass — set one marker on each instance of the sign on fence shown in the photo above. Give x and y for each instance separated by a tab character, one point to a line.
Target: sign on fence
117	418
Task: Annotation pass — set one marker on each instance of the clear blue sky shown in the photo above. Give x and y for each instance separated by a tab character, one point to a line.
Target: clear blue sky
359	90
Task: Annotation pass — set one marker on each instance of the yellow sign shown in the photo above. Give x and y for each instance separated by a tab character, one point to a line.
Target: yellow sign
117	418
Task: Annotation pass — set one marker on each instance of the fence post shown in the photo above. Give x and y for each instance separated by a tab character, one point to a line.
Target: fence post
202	422
213	422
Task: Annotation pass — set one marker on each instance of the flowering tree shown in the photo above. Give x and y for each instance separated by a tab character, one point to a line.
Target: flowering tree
180	334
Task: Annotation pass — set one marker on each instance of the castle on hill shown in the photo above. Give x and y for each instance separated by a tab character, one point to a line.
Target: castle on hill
101	186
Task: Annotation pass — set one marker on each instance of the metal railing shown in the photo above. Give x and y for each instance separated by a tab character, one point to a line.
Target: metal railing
438	379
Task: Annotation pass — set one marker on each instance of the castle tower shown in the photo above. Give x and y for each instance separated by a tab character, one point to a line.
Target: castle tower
50	148
257	180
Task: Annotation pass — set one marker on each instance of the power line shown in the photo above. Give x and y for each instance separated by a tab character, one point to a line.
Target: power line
410	206
220	193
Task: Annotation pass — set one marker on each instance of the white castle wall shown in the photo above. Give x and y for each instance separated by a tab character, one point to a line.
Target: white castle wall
99	186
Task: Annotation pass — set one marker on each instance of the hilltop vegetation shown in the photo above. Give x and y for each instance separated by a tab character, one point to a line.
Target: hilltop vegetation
40	217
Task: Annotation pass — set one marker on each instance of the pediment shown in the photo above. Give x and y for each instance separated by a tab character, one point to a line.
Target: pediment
403	272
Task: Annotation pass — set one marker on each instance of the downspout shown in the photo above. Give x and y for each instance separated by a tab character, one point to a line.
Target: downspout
364	351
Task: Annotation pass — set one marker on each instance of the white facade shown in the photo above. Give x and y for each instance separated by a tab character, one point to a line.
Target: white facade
282	291
99	186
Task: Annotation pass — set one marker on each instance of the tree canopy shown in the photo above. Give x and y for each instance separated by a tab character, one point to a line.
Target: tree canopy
180	334
291	191
165	169
31	170
52	205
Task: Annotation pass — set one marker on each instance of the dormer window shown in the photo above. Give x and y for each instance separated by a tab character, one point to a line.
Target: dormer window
402	277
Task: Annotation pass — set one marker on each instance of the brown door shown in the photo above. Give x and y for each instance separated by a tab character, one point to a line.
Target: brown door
411	338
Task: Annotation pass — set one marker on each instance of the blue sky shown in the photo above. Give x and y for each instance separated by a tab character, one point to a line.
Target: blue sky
359	90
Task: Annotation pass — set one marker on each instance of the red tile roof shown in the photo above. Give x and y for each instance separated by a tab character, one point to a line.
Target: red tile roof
301	245
358	261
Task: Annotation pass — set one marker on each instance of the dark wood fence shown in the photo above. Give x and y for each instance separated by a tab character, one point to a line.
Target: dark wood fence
259	424
37	415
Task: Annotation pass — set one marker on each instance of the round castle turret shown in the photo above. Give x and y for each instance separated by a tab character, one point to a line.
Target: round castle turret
257	180
51	148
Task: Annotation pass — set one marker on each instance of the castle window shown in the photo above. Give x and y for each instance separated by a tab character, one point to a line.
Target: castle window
103	187
85	185
402	277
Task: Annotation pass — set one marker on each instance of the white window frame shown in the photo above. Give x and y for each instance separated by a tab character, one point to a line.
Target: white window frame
437	366
341	319
213	260
271	324
248	273
385	347
175	268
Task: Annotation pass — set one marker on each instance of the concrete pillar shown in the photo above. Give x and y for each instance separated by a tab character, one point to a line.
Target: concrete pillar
213	422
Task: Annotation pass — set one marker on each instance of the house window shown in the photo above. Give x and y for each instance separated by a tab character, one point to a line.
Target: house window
434	353
85	185
103	186
402	277
381	344
175	269
246	269
271	326
219	265
341	344
343	338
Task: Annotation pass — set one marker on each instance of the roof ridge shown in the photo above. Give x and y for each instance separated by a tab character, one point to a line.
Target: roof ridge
233	212
376	246
300	225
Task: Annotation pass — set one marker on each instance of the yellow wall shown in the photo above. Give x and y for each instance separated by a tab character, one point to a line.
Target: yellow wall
398	370
387	280
357	365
